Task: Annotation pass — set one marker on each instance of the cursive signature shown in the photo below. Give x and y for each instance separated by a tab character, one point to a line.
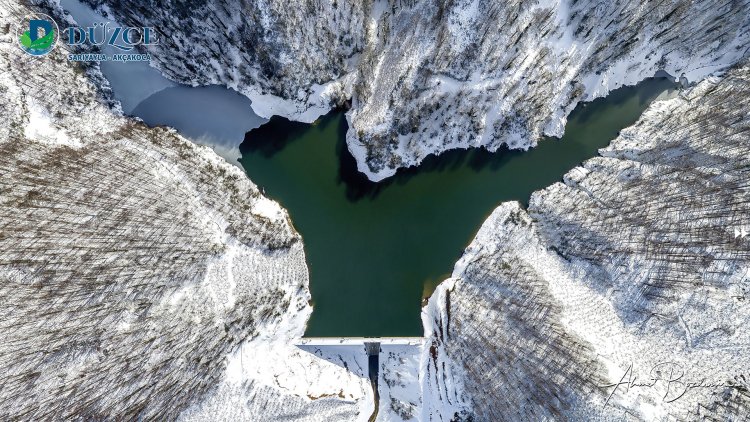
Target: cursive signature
670	376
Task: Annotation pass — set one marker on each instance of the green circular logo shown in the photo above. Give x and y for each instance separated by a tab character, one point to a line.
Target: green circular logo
37	34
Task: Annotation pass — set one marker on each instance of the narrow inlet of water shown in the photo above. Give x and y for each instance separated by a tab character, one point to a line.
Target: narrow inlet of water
209	115
375	250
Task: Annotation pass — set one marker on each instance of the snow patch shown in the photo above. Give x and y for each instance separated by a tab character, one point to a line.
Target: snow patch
42	128
267	208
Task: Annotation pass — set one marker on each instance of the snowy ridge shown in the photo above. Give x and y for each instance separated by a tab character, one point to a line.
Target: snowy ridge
182	292
441	380
623	277
481	86
293	66
41	128
425	77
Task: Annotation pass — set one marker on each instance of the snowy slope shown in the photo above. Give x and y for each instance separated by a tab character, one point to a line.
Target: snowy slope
633	270
141	275
427	76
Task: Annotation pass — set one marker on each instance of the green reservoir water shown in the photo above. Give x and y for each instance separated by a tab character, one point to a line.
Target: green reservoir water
374	250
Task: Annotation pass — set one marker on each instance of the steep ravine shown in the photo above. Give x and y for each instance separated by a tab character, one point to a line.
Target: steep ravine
425	76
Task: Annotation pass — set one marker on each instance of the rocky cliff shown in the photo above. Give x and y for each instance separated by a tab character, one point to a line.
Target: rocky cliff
140	274
621	292
427	76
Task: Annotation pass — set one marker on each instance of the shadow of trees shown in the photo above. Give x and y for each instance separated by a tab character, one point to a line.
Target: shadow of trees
359	187
279	132
653	87
273	136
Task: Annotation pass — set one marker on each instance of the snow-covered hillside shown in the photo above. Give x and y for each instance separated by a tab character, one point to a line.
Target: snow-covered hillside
141	274
427	76
633	270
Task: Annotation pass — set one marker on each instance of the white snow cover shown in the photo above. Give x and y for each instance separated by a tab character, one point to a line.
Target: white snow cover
630	273
399	382
308	383
42	128
268	377
513	107
144	273
425	77
441	382
619	348
316	104
267	208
